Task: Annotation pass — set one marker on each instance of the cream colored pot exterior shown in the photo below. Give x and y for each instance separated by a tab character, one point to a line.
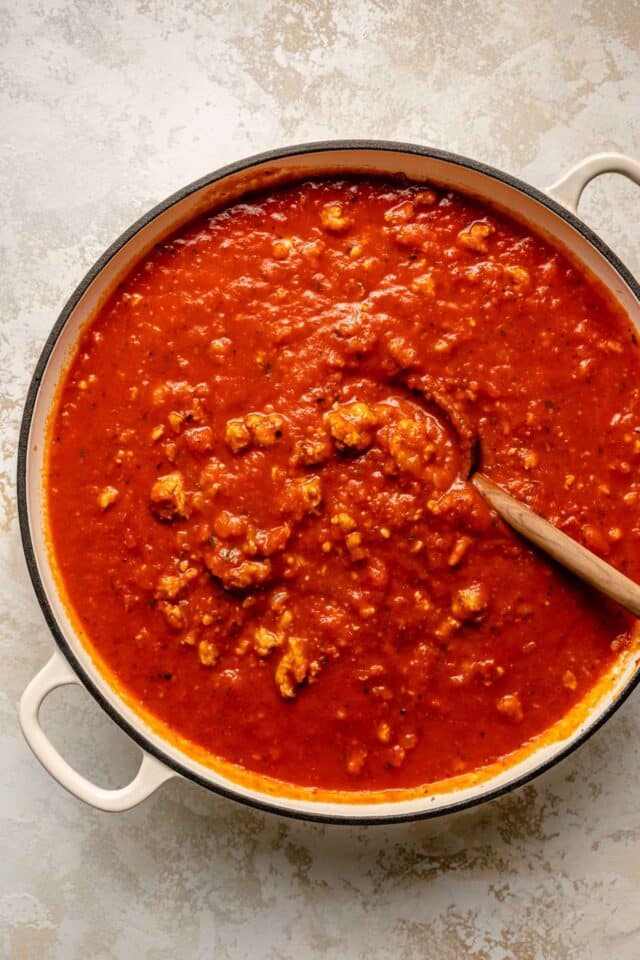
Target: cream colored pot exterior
72	663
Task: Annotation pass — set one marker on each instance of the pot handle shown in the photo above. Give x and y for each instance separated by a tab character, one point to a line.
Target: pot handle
151	773
568	189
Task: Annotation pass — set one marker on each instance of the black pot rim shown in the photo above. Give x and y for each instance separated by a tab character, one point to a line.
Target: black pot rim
283	153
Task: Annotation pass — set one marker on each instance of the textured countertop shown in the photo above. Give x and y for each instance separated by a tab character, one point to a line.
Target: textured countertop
105	109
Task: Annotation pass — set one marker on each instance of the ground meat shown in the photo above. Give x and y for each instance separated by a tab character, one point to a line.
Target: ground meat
470	603
474	237
351	425
334	219
107	496
174	614
410	445
292	668
302	496
208	653
171	586
311	450
272	541
229	566
168	497
510	707
266	428
264	641
237	435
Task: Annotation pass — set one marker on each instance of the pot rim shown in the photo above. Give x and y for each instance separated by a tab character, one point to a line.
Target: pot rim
235	791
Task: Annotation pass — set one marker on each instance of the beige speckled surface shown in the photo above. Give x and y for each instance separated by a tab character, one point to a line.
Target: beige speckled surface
106	108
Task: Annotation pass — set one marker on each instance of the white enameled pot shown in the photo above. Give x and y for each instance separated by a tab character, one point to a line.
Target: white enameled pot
552	213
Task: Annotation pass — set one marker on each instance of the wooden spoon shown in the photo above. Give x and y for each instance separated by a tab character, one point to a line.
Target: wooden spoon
564	550
558	545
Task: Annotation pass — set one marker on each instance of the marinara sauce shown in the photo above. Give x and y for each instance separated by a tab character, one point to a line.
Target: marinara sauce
257	483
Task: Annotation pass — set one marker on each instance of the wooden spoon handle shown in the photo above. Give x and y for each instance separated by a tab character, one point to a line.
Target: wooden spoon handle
562	548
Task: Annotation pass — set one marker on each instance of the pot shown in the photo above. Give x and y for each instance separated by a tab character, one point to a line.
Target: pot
552	213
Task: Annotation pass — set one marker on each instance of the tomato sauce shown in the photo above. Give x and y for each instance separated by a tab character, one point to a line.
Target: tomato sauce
258	496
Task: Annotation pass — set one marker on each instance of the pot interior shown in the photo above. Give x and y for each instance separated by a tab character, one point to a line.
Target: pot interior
97	287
